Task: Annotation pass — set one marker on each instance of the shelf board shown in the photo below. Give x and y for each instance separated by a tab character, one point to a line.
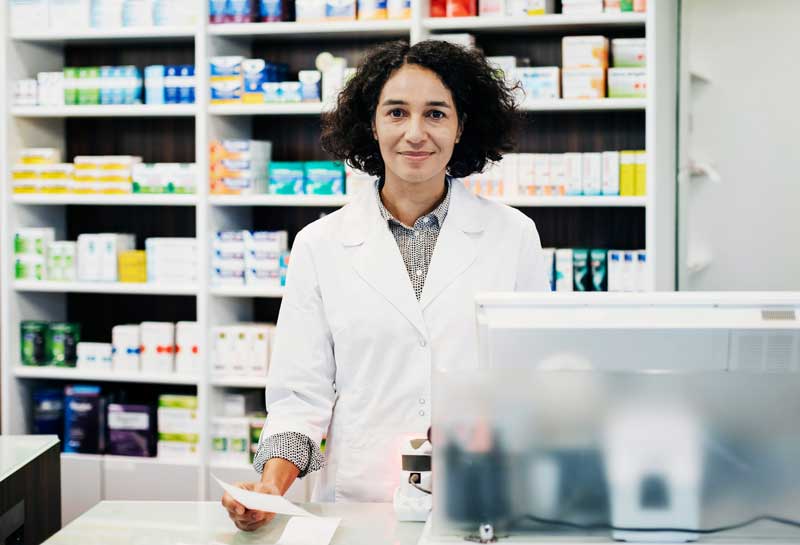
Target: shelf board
105	287
71	373
341	200
247	291
576	201
553	22
95	35
279	200
111	110
104	200
294	108
304	31
99	458
588	105
239	382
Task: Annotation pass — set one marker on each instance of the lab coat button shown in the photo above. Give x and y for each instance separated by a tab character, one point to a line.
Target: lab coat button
422	413
422	401
423	342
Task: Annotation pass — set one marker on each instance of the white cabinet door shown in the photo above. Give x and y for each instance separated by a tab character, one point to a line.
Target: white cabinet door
739	213
81	484
127	478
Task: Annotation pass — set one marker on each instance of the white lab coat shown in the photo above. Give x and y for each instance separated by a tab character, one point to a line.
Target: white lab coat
354	348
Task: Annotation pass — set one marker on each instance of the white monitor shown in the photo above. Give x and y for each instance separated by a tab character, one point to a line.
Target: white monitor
636	331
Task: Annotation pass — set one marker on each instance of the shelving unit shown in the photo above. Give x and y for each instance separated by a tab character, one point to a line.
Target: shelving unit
653	127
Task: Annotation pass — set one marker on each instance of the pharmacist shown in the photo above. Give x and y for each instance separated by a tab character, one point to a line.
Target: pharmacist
382	290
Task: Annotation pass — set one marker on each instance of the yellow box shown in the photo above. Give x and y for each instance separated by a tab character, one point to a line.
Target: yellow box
640	188
627	173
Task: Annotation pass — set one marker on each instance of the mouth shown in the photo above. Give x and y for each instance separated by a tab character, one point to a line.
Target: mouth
416	155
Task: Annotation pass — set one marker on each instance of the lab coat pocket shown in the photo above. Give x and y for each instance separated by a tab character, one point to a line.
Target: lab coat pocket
370	468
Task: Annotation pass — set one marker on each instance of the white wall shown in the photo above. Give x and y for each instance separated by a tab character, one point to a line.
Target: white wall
745	120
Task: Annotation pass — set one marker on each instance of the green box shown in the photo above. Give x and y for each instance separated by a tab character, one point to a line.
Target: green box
33	336
62	343
70	86
88	85
626	5
177	401
286	178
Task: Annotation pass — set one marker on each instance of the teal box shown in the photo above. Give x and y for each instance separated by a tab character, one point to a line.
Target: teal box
599	266
324	178
581	270
286	178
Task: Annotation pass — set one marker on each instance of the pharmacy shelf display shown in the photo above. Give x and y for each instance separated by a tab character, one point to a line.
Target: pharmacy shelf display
182	133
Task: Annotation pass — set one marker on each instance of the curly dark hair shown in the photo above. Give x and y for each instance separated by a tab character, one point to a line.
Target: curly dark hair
483	100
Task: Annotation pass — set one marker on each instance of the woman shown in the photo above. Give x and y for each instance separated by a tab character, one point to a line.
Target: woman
382	290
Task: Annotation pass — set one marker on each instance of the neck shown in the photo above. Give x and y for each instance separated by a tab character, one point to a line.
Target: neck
407	201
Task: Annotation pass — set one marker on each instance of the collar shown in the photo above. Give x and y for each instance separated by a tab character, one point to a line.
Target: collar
362	216
440	212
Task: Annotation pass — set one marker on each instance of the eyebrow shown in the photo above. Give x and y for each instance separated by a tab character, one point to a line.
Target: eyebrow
398	102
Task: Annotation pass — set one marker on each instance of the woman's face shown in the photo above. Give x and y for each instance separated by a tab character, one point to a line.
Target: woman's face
416	125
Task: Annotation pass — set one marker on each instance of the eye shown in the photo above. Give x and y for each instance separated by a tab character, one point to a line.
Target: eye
397	112
437	114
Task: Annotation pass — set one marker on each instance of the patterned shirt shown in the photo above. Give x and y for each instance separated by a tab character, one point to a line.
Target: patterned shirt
416	246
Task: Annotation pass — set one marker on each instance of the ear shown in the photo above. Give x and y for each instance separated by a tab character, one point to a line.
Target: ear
374	131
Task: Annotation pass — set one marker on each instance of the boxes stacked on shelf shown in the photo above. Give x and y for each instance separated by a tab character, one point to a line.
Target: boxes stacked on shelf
242	350
307	11
107	174
309	178
178	427
76	15
257	258
159	178
515	8
30	252
232	433
609	173
132	266
584	65
169	84
236	80
49	343
172	260
61	261
48	411
156	347
92	85
581	269
98	255
627	78
239	167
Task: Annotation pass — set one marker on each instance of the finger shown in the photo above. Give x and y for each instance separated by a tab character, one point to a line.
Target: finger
249	526
245	486
234	508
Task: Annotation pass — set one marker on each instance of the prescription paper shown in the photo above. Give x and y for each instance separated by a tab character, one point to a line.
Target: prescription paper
303	528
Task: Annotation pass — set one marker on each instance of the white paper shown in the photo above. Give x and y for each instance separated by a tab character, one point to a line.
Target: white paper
305	530
263	502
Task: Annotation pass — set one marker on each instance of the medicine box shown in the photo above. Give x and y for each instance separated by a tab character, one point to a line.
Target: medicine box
158	347
627	82
583	83
564	275
581	7
188	359
540	83
584	52
131	430
610	173
629	52
592	173
126	347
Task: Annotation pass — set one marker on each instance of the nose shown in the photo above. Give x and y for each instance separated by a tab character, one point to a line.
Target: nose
415	130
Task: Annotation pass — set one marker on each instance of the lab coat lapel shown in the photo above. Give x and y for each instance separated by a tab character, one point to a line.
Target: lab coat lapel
378	261
455	247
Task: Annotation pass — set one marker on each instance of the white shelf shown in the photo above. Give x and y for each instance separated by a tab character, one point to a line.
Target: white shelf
71	373
298	108
105	287
155	33
587	105
247	291
105	200
279	200
302	31
341	200
596	202
119	110
144	460
239	382
554	22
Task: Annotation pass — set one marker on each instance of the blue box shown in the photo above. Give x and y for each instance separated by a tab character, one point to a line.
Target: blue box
187	84
172	83
107	84
84	419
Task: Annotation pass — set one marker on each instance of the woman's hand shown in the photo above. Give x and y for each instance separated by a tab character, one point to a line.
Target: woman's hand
246	519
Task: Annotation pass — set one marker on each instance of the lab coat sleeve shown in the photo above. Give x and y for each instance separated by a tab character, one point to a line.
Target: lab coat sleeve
532	273
300	390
